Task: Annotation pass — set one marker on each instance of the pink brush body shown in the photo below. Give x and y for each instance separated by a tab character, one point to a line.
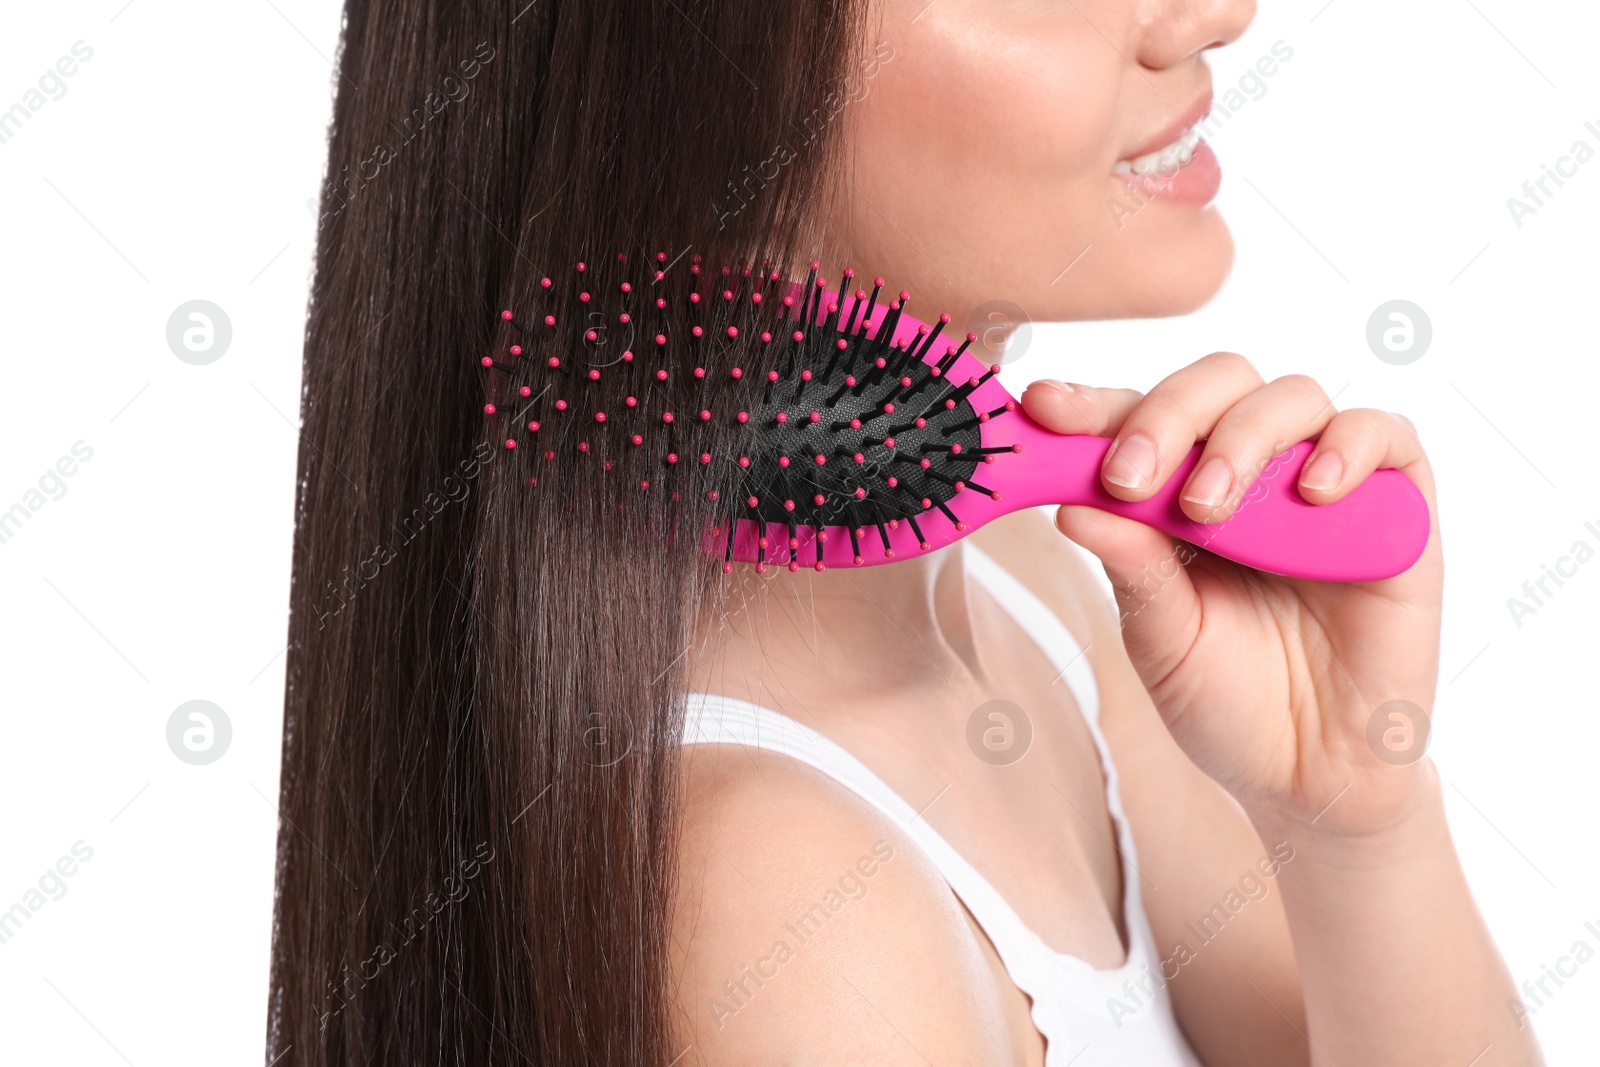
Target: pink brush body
1375	532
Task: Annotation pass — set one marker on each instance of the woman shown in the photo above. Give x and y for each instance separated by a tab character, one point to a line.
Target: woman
557	791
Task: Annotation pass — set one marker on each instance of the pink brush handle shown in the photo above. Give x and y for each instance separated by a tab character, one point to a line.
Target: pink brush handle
1375	532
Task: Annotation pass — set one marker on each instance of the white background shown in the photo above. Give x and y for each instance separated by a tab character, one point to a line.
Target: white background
178	166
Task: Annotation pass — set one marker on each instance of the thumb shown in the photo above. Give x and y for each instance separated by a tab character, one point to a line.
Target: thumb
1157	604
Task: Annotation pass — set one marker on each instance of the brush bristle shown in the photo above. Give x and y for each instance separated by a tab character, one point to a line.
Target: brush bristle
851	432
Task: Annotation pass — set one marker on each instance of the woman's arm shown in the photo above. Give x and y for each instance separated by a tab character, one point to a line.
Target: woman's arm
1395	960
1282	690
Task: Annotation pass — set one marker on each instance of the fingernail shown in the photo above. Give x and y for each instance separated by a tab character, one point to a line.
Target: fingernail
1132	463
1211	483
1061	387
1323	472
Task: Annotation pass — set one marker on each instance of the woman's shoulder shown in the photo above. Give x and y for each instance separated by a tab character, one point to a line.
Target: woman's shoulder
807	923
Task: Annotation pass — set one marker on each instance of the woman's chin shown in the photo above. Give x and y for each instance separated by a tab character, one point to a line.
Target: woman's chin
1174	265
1178	285
1157	272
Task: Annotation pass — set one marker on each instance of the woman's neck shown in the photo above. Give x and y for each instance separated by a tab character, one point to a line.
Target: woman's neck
870	628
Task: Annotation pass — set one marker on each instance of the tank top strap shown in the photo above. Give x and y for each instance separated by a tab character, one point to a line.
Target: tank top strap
1044	627
1071	662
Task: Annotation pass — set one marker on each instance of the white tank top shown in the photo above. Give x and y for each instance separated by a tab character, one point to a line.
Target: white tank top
1088	1016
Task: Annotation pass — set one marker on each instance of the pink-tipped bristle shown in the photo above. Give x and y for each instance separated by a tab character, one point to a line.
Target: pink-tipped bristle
789	379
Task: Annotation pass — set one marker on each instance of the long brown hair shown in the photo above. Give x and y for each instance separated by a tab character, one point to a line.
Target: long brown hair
476	843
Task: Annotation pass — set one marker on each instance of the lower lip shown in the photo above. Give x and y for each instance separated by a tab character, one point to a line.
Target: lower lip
1195	184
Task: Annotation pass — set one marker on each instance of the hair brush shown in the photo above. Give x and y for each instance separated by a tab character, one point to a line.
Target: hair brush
871	438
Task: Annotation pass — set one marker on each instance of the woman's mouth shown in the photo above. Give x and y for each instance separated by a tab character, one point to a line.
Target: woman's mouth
1164	160
1184	171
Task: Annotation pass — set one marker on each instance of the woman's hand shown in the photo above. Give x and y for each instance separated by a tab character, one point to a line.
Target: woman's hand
1276	687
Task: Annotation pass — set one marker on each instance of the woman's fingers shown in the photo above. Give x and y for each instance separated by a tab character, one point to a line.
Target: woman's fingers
1156	600
1072	408
1245	439
1244	423
1353	445
1163	426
